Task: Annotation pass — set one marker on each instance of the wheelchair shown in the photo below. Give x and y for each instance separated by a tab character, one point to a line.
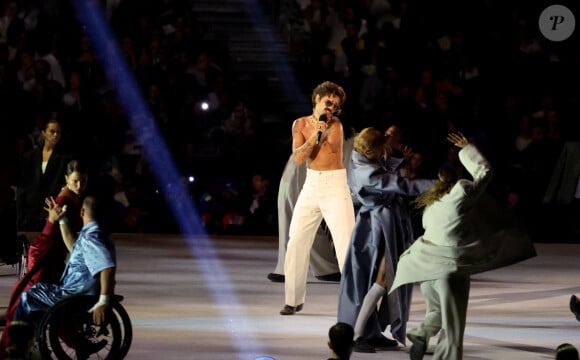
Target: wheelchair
67	331
17	256
22	265
14	244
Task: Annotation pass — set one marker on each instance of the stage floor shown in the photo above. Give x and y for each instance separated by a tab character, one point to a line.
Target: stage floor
210	299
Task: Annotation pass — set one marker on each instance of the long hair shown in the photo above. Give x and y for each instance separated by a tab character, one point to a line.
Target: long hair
448	176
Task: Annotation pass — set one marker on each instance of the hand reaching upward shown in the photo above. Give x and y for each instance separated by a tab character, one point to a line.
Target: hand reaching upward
458	139
55	211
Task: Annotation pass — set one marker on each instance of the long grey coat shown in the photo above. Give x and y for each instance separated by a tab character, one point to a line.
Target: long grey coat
382	224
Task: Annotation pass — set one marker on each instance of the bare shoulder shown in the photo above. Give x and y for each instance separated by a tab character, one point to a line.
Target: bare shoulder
299	123
337	121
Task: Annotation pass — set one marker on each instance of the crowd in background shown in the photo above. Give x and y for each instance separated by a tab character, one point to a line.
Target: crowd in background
482	68
50	71
479	67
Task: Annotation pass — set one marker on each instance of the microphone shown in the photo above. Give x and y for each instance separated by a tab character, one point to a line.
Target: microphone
324	118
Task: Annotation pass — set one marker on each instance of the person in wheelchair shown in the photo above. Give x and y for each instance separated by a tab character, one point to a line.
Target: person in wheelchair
47	253
90	269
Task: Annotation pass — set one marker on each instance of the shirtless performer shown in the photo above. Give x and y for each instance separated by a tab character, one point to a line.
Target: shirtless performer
318	139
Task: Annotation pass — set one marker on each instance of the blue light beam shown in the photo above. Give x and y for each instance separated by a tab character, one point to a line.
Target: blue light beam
90	16
279	61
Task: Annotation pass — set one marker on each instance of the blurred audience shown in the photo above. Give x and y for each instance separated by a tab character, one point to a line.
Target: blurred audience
414	63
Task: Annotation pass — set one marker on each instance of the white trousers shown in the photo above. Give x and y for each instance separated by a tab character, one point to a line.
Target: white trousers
446	311
322	258
325	194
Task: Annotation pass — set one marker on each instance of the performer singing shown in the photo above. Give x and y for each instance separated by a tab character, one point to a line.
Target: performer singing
318	140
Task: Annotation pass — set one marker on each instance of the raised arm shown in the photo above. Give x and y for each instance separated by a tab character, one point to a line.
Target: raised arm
475	163
58	214
67	236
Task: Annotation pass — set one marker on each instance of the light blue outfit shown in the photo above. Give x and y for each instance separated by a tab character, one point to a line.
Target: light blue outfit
92	253
383	226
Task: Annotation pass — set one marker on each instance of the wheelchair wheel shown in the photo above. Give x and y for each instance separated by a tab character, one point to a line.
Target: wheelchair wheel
22	265
126	326
67	331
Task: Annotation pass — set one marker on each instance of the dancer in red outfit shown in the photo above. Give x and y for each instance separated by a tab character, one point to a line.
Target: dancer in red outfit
47	252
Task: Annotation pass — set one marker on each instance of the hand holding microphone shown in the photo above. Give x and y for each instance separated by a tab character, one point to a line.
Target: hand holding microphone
324	118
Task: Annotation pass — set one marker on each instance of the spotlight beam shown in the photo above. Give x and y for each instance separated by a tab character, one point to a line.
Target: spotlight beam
90	15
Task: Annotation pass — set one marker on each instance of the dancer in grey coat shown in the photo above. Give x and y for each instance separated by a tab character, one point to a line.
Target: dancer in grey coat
383	231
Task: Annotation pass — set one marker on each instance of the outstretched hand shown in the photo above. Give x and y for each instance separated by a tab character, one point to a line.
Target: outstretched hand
458	139
55	211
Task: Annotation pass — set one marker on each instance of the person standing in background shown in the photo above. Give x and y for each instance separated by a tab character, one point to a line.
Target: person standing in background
41	173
